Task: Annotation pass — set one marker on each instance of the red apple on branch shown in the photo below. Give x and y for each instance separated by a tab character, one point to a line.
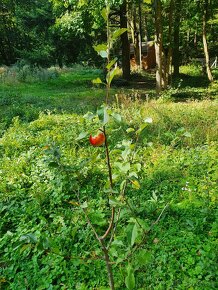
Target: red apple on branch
97	140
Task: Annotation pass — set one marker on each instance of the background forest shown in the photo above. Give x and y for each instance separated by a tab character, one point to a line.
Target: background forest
108	144
64	32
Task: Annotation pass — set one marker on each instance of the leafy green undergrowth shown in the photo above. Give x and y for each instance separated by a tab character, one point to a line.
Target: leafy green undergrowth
45	241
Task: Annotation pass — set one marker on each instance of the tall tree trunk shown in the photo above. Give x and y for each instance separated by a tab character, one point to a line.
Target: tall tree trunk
125	42
158	45
140	34
136	37
204	34
168	58
176	53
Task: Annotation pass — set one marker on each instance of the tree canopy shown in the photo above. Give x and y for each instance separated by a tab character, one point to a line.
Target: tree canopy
59	32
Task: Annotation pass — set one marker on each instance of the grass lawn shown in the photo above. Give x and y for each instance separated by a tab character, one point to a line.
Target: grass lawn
163	153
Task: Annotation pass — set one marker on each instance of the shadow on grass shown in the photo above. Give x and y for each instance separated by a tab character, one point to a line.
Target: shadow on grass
184	81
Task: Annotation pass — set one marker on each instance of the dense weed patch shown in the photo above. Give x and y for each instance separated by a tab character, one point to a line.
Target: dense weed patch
45	242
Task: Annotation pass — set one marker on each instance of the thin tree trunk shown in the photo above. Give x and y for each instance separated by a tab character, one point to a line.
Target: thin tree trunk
140	34
176	53
206	50
125	42
168	61
136	38
158	45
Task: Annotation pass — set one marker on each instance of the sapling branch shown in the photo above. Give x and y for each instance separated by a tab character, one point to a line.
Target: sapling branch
111	186
103	247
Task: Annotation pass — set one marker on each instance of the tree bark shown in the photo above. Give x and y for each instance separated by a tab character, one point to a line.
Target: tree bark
168	58
204	35
158	46
176	53
125	42
140	34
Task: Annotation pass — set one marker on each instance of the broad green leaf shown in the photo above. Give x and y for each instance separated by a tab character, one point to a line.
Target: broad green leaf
100	47
103	53
97	81
126	167
111	63
118	32
102	50
117	242
106	116
122	184
130	130
111	74
130	278
104	13
126	153
135	184
81	136
137	166
134	234
141	128
30	238
133	174
123	167
154	196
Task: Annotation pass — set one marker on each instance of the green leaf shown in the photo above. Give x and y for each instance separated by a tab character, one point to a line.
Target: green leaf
143	258
106	116
133	174
135	184
141	128
134	234
115	203
81	136
129	130
118	32
97	81
123	167
137	166
103	53
100	47
30	238
126	153
117	242
111	74
104	13
130	278
82	3
102	50
98	218
147	1
111	63
100	113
